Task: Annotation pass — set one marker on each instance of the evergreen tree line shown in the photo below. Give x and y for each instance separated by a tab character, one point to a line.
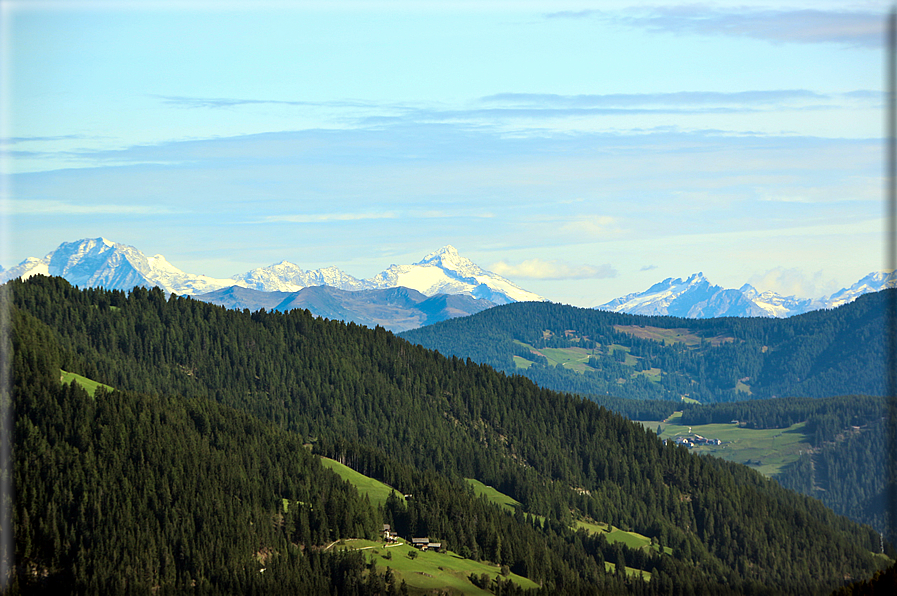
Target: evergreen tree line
128	493
848	474
844	467
398	411
824	418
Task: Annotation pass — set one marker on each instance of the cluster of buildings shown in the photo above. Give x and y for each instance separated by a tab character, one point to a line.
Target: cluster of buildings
691	441
418	543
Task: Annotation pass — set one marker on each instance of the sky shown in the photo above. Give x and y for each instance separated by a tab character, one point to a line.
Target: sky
583	150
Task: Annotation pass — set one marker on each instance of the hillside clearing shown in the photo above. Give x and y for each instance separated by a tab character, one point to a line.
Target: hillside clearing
88	385
430	570
765	450
376	491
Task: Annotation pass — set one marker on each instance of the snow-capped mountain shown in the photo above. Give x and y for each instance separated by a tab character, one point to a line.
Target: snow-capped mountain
878	280
447	272
98	262
697	298
694	298
440	272
101	262
287	277
772	304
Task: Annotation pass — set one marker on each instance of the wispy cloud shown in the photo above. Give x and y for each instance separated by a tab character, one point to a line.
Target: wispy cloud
753	99
572	14
793	282
9	141
229	102
553	270
327	217
850	28
45	207
599	226
509	106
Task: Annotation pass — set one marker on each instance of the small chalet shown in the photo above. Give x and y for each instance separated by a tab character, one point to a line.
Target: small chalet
388	534
425	544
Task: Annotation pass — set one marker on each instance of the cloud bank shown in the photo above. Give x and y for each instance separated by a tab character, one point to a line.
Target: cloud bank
850	28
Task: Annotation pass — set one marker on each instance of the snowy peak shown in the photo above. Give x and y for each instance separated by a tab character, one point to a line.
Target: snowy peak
874	282
100	262
448	259
696	297
447	252
288	277
447	272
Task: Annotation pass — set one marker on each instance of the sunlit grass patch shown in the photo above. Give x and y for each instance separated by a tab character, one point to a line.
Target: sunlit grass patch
89	385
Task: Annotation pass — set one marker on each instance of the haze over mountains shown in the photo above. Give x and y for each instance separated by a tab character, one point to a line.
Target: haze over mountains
396	309
102	263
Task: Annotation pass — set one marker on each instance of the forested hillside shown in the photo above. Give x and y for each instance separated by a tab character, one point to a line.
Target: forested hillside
158	465
586	351
848	448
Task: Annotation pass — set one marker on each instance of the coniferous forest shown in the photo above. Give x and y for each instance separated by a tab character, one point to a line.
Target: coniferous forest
198	468
817	354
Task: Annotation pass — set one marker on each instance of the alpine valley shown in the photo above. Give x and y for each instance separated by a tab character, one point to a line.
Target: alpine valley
268	434
165	445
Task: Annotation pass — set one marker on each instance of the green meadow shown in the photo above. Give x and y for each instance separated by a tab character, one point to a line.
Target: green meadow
506	502
376	491
89	385
427	571
679	335
522	362
449	571
576	359
765	450
613	534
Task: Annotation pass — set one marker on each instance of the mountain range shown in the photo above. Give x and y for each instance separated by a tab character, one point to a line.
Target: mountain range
697	298
100	262
396	309
443	284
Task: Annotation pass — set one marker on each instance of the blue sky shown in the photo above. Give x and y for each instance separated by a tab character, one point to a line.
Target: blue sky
584	150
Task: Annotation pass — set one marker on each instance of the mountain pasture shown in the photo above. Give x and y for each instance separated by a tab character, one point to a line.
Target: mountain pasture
89	385
676	335
766	450
429	570
375	490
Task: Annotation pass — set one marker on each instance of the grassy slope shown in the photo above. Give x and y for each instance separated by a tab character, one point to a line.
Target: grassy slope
431	570
765	450
575	359
506	502
376	491
630	539
89	385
